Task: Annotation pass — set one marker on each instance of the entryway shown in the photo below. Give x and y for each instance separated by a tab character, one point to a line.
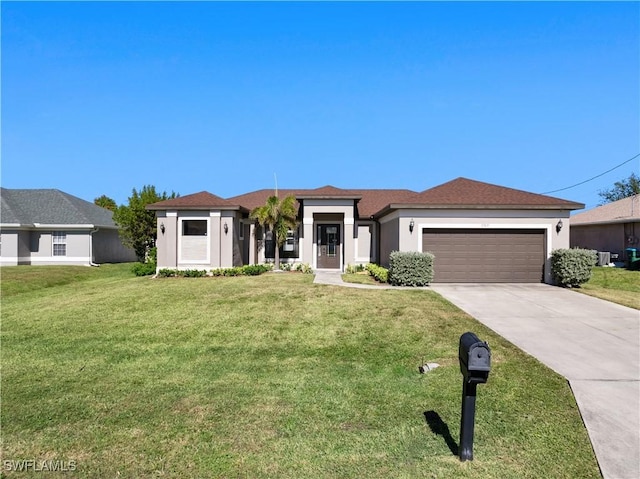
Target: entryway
328	242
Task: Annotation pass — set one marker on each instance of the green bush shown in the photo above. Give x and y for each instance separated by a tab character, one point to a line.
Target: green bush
143	269
193	273
303	268
572	267
167	273
255	269
379	273
356	268
410	268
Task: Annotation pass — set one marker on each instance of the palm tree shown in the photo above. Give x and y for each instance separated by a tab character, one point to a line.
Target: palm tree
279	217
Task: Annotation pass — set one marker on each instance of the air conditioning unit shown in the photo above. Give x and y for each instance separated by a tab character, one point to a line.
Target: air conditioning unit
604	258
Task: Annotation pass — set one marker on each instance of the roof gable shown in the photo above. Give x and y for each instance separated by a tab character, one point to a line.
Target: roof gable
50	207
621	211
463	192
201	200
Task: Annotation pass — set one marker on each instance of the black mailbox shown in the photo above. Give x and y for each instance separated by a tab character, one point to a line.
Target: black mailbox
475	358
475	364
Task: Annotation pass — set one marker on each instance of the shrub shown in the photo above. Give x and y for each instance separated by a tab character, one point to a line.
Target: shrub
255	269
143	269
410	268
193	273
167	273
379	273
572	267
303	268
356	268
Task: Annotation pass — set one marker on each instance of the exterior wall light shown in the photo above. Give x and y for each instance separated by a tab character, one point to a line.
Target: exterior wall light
226	228
411	225
162	227
559	226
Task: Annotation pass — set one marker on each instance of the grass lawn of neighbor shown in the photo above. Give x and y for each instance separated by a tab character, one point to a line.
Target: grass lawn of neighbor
618	285
264	377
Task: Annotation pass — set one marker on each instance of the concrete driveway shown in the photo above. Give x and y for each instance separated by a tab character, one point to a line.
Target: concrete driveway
595	344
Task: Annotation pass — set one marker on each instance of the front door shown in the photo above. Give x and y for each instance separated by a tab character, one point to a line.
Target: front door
328	246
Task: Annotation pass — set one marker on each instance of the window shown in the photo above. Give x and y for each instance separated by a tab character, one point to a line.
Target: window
290	248
194	228
59	243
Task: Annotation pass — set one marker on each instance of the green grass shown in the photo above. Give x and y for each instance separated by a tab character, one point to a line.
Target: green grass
618	285
20	279
268	376
360	278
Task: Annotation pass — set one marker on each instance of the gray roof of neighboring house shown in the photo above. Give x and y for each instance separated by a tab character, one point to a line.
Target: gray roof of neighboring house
27	207
626	210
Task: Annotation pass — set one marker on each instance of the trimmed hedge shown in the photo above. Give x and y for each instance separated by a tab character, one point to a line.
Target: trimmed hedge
410	268
181	273
144	269
379	273
247	270
572	267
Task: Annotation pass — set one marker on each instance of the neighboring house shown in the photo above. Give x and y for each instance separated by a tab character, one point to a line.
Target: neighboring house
47	226
478	232
612	227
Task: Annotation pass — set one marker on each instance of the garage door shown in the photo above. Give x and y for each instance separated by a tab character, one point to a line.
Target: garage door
486	256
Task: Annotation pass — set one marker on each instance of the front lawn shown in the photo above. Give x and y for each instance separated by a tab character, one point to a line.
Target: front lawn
618	285
268	376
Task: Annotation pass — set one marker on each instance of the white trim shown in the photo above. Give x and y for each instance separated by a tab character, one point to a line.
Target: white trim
12	225
307	221
172	213
49	259
214	214
348	221
62	227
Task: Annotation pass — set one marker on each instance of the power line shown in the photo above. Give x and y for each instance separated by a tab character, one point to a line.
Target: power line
590	179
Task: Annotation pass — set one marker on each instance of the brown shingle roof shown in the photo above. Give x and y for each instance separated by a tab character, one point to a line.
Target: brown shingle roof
369	202
463	192
458	193
202	200
621	211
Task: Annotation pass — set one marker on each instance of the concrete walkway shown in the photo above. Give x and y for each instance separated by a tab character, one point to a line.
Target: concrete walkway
595	344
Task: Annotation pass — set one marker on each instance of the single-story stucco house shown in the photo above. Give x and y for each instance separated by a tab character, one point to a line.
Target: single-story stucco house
479	232
612	228
48	226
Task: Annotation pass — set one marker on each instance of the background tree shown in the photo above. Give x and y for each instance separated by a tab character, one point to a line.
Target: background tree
137	224
278	216
105	202
621	189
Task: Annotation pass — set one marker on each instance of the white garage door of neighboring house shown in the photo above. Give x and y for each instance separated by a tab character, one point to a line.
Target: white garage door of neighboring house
486	256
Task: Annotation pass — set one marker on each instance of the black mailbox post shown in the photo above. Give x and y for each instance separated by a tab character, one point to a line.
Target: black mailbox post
475	364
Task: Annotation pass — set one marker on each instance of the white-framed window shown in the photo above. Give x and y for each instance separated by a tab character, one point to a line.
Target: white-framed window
59	240
194	227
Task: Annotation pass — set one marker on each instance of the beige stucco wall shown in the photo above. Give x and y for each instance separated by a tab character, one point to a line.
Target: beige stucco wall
366	244
480	219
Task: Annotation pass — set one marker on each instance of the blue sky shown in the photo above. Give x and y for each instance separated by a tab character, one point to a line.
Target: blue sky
100	98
